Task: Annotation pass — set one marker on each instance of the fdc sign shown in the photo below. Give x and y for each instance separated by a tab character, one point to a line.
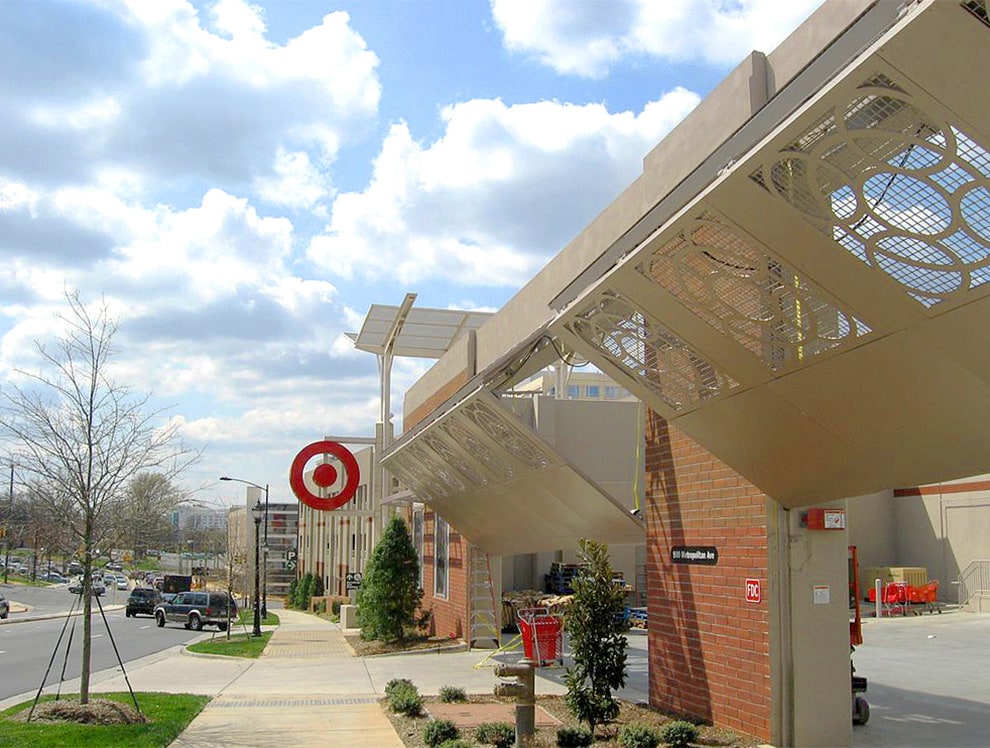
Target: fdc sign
753	593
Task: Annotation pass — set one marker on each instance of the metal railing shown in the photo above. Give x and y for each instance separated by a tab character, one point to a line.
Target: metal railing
974	580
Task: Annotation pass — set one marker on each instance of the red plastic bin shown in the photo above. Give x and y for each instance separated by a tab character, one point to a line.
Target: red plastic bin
542	636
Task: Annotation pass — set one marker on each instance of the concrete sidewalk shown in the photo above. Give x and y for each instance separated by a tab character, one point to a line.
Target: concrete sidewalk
310	690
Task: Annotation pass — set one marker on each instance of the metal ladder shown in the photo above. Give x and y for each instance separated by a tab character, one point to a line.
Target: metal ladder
484	628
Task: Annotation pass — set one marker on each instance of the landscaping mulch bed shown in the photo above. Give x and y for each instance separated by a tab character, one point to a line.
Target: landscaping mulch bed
364	648
410	729
95	712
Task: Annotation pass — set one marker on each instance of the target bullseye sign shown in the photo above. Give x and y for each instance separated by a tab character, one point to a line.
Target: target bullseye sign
324	475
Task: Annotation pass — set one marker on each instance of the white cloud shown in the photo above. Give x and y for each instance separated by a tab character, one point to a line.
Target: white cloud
588	38
188	99
17	196
499	193
296	183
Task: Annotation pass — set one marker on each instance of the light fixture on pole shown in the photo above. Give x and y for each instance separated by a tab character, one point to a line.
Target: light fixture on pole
264	587
257	511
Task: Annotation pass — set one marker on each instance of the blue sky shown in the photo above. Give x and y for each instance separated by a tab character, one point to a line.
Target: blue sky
241	181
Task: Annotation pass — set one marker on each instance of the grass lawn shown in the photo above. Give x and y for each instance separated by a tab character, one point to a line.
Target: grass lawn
246	617
168	715
241	644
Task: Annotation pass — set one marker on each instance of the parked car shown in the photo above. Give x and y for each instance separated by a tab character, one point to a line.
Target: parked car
114	566
143	600
54	577
122	582
74	568
76	587
197	609
4	606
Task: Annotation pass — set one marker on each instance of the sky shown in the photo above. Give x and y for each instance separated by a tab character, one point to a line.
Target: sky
240	181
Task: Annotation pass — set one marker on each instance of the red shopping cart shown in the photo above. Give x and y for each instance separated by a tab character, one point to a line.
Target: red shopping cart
542	636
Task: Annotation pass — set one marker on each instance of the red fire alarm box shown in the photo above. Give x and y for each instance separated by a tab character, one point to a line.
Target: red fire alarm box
824	519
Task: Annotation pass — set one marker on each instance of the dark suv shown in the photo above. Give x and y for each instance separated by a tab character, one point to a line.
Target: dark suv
143	600
197	609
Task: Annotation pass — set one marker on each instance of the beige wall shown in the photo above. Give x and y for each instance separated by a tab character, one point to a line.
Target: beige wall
941	527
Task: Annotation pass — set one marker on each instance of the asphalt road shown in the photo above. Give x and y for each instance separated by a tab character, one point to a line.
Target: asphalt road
29	647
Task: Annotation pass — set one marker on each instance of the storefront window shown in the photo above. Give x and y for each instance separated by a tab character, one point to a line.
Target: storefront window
417	539
440	557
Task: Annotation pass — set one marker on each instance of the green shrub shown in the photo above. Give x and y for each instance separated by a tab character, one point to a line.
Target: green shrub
403	697
439	731
594	623
574	737
390	594
452	695
456	743
397	683
678	733
638	736
499	734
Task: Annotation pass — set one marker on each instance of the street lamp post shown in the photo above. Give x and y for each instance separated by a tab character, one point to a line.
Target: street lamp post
256	512
264	588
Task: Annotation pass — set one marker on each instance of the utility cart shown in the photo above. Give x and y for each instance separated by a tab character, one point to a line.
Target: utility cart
860	707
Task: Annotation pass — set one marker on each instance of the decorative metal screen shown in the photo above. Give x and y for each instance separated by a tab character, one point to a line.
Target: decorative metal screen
460	434
978	8
508	435
474	445
643	347
901	190
757	300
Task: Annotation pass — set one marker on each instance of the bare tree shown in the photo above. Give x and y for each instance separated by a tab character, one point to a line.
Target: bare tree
85	437
142	515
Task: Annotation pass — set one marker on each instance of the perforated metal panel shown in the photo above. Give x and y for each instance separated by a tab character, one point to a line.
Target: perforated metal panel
494	479
746	293
901	189
815	316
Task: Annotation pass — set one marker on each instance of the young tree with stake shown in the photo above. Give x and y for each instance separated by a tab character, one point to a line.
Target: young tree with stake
85	437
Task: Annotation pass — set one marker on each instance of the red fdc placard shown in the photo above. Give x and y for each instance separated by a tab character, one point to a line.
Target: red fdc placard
753	591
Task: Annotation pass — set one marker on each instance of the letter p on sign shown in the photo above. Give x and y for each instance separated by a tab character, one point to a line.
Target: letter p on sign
753	591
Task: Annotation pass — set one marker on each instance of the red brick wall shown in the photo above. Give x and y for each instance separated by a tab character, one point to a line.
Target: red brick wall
709	648
450	614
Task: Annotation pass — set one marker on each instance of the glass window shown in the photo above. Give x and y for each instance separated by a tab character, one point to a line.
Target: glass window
417	539
441	536
593	391
573	391
611	392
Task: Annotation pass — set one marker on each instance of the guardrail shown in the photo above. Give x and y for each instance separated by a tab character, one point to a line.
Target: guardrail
974	580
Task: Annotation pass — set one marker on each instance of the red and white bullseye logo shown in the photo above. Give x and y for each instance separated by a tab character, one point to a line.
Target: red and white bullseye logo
324	475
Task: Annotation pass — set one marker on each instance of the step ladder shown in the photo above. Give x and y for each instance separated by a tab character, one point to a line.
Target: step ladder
484	627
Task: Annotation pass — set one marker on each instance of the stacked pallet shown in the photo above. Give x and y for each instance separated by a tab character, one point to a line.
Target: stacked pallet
559	579
515	600
637	617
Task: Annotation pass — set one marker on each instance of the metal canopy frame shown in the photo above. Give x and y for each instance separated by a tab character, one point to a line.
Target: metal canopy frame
816	317
423	332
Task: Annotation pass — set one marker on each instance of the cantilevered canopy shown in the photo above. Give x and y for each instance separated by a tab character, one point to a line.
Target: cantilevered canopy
424	333
497	482
818	316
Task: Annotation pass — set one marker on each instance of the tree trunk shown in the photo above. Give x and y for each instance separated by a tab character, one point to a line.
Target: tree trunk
87	615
